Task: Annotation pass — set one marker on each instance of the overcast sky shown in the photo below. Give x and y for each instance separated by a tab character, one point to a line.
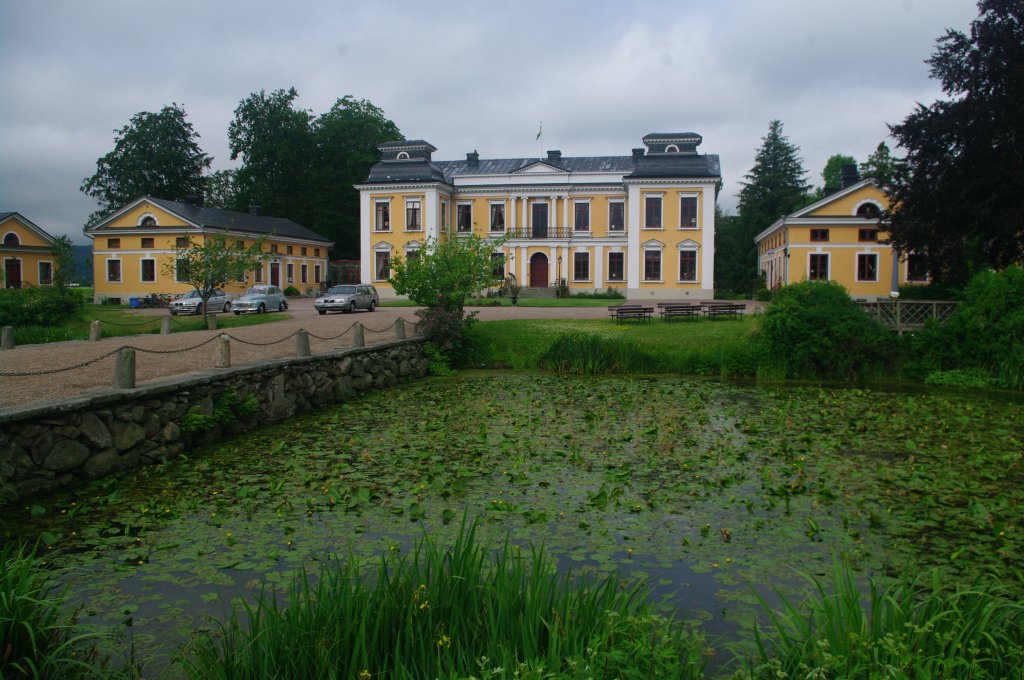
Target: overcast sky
462	75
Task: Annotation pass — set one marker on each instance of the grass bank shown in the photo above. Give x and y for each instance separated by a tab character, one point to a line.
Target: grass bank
523	302
716	348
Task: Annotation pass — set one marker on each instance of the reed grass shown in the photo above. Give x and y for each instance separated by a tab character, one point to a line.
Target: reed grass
37	639
458	612
912	628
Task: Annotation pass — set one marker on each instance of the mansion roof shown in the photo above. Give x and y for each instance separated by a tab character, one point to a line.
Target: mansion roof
238	221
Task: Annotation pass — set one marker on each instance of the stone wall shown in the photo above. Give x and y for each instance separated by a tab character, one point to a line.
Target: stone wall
47	445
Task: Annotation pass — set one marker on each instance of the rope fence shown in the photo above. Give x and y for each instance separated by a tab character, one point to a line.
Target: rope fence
126	352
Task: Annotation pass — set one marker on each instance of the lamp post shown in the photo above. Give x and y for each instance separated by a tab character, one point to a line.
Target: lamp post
558	279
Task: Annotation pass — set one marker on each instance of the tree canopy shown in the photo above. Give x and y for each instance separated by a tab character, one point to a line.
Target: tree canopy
832	174
957	194
214	262
880	166
775	186
155	154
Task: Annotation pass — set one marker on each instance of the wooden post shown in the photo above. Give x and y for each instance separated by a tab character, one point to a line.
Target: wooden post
165	325
211	322
124	369
357	335
301	343
95	330
223	358
7	337
400	329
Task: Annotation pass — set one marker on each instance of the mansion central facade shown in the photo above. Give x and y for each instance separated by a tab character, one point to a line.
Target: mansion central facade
643	223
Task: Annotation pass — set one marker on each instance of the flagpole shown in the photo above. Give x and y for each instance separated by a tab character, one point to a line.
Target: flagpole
540	140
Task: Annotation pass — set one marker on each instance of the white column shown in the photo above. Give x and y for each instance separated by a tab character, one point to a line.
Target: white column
553	216
513	204
707	249
565	214
598	267
633	254
365	254
523	265
430	213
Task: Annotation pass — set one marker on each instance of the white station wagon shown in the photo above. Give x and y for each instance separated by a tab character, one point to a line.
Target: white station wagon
260	300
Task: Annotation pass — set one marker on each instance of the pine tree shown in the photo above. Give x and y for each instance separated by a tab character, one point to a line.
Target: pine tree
880	166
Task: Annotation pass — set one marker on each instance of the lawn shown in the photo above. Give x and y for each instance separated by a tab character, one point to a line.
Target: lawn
523	302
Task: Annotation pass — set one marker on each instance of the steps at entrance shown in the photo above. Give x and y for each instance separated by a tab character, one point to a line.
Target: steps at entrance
527	292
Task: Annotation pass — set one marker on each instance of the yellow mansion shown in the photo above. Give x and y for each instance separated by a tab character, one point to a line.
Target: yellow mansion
643	223
838	238
133	248
26	252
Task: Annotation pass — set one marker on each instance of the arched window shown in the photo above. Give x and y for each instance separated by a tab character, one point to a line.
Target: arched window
148	222
671	148
11	239
403	156
869	211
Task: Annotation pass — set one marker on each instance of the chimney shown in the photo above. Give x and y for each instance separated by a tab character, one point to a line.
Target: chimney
473	159
554	155
195	199
638	154
848	175
254	209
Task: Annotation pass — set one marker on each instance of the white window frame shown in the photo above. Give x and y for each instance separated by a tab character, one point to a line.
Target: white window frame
316	273
828	266
906	270
458	209
696	264
177	273
444	215
575	256
417	205
856	267
376	266
146	215
653	247
661	211
581	202
377	203
289	272
39	272
616	252
257	274
495	206
623	204
696	212
120	270
304	274
147	259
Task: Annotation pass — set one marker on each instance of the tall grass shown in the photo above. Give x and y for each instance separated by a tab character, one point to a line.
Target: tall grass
457	612
585	354
37	640
910	629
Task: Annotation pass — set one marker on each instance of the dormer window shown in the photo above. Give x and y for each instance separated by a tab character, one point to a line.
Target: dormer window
869	211
671	148
402	156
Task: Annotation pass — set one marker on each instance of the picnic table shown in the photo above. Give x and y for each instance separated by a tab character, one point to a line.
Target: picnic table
715	310
671	310
622	312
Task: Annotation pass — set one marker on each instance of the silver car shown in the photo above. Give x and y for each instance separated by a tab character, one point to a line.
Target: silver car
347	298
193	303
261	299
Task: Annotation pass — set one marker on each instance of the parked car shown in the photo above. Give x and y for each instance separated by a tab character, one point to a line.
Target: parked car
192	303
348	298
260	299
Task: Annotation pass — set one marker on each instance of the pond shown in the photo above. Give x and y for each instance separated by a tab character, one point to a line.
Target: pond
700	488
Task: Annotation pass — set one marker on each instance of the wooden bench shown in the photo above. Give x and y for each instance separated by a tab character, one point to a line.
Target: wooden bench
623	312
686	311
715	310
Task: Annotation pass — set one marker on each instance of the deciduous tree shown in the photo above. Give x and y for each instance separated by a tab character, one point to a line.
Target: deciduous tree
880	166
957	194
156	154
213	262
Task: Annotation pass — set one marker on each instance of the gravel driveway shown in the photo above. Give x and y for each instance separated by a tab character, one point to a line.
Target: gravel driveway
190	354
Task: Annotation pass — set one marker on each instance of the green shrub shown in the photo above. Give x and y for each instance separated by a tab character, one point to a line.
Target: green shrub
37	640
763	295
450	612
607	294
932	291
38	306
292	291
909	629
814	330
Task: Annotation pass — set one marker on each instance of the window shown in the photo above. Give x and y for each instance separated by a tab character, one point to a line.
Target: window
316	252
540	220
688	266
652	212
148	221
114	271
383	266
581	266
867	267
257	274
444	215
12	240
412	215
917	267
45	273
819	234
819	267
581	220
304	273
273	247
148	269
688	212
287	250
181	269
652	265
616	216
289	272
498	262
147	242
382	216
412	256
181	242
316	273
867	234
464	217
302	252
869	211
497	217
616	266
113	243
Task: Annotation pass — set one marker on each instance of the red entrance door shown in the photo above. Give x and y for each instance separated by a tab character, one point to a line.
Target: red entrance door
275	274
12	273
539	271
